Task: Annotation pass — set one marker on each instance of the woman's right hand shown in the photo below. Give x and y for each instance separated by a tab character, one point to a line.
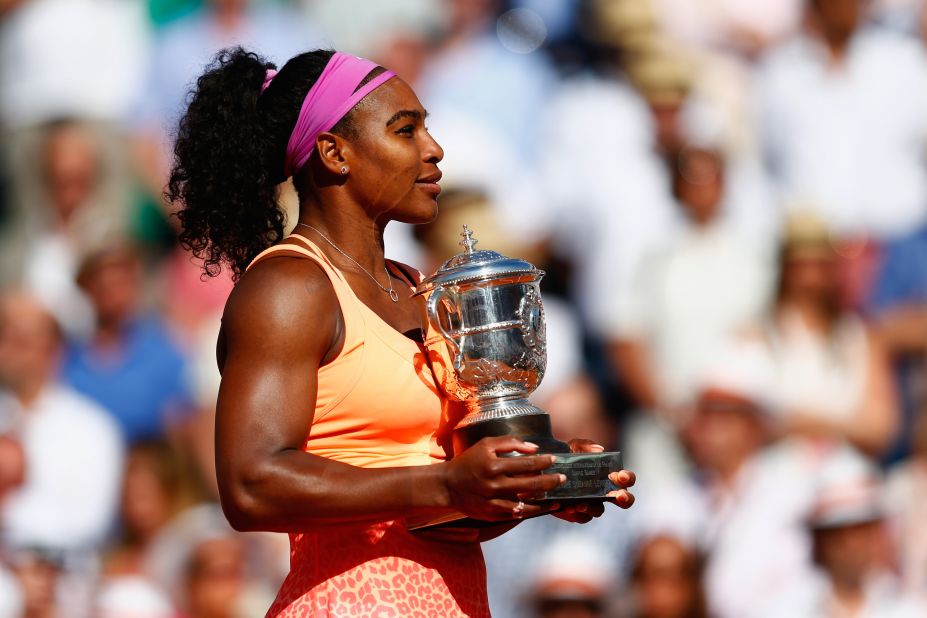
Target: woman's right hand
483	484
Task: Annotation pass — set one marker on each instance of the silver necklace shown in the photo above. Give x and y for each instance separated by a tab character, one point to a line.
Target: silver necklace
393	296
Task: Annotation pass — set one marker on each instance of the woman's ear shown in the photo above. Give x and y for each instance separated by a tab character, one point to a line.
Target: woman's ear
334	152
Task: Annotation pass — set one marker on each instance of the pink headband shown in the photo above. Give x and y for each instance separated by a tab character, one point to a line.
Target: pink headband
331	97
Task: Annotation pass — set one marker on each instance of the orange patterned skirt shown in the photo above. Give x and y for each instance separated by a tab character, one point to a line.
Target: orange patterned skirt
381	571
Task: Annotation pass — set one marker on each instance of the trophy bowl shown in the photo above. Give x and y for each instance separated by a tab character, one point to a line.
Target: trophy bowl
487	346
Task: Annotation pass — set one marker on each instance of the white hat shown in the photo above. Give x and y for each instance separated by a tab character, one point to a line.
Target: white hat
132	597
573	566
743	369
703	125
848	492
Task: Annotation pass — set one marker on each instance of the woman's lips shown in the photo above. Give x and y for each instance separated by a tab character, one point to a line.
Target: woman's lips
429	187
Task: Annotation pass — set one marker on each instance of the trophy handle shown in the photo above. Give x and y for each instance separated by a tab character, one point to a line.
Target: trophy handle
431	306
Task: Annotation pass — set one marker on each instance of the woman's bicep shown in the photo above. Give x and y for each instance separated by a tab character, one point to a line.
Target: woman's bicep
275	334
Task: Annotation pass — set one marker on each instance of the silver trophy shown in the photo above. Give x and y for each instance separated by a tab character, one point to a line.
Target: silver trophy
487	347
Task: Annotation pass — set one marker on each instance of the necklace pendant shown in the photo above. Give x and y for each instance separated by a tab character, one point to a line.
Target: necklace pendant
394	296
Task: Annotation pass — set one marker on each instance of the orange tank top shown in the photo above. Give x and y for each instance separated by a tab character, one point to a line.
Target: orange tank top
377	405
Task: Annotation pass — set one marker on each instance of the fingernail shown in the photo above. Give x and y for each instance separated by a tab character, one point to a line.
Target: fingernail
597	447
562	478
532	445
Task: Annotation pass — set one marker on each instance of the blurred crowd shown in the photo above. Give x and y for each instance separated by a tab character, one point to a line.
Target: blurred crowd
729	198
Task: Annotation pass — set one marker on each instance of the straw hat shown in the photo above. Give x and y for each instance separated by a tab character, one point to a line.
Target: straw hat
806	235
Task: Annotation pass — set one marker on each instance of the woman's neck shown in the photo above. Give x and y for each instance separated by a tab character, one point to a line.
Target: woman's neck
341	231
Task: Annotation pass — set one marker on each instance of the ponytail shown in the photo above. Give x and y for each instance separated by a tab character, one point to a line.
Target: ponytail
228	156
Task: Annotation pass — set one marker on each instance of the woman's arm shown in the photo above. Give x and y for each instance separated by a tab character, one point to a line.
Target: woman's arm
281	324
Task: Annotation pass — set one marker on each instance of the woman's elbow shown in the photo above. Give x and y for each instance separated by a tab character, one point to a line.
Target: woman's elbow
241	503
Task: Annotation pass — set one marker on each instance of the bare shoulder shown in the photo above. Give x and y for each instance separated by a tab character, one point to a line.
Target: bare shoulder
284	301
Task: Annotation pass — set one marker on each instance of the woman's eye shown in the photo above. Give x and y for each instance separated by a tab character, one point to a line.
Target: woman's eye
407	130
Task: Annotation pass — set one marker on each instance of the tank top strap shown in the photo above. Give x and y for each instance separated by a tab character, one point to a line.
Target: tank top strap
354	322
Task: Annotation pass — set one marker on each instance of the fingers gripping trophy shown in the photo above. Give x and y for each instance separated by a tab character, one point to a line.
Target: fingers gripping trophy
490	354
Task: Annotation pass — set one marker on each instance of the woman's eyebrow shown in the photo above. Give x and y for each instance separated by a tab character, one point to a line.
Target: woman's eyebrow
407	113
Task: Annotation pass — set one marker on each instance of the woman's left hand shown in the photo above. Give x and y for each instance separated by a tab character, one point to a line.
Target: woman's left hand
585	511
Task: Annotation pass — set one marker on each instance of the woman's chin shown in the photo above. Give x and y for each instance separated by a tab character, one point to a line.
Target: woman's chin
421	214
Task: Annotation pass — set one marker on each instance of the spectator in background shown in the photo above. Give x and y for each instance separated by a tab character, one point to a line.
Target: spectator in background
130	364
82	59
65	59
666	580
846	526
153	492
700	101
833	377
688	300
73	171
748	497
572	578
210	570
692	296
73	451
605	186
841	113
215	576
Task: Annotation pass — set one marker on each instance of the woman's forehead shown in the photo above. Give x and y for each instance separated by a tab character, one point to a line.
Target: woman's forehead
392	98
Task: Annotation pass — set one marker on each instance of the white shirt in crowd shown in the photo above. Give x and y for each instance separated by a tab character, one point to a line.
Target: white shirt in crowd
71	58
74	454
815	373
607	189
814	598
753	532
727	23
50	274
848	140
689	299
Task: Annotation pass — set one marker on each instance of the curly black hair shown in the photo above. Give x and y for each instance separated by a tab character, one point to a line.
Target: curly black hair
229	155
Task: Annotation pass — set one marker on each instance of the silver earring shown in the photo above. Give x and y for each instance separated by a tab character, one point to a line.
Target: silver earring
344	170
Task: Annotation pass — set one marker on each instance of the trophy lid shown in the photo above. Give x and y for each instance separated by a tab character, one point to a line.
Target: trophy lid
472	265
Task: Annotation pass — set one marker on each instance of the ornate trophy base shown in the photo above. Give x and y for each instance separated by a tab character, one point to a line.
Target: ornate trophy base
587	473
